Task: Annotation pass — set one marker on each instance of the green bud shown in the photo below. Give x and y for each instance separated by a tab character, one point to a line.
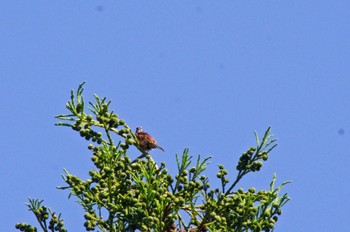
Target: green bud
192	184
76	127
82	133
54	218
271	220
130	141
60	224
79	107
135	166
218	218
124	146
275	204
252	149
94	159
170	179
89	216
275	218
105	106
107	170
259	164
87	137
89	117
114	121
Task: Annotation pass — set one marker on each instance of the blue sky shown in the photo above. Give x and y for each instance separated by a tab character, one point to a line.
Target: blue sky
197	74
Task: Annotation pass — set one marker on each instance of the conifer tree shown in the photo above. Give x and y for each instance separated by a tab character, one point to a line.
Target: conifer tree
125	194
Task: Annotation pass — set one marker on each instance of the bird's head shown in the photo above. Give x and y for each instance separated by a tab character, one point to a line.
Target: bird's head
138	129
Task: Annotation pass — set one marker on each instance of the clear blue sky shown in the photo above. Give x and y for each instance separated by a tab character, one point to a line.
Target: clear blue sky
197	74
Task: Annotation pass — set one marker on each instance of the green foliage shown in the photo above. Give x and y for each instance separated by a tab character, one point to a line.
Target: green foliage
48	220
136	195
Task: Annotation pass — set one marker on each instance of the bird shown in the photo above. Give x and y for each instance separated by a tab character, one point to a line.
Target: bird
146	142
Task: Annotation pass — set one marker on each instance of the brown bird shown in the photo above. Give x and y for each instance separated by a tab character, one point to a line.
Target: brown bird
146	141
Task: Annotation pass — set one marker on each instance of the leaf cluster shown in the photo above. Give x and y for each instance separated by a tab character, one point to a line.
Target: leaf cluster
48	220
125	194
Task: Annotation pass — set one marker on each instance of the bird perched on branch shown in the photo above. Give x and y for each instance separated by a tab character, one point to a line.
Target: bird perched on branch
146	142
